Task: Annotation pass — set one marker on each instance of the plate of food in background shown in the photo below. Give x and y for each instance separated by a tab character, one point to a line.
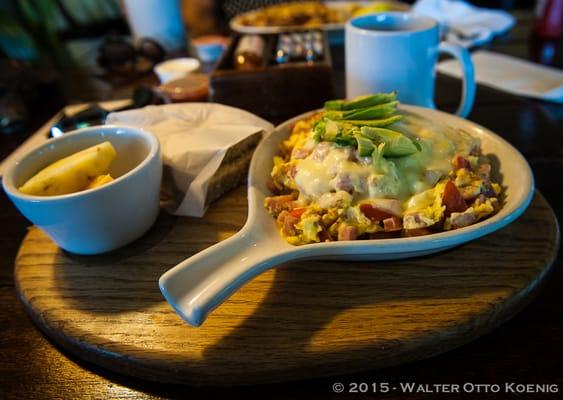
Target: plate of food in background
330	16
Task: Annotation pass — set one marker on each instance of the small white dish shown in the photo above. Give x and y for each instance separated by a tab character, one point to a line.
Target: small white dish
104	218
202	282
176	68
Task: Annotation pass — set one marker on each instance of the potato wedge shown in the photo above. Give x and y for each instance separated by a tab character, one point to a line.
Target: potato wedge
73	173
100	181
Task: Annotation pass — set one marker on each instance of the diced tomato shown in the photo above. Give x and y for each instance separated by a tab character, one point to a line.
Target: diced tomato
459	162
452	199
298	212
374	213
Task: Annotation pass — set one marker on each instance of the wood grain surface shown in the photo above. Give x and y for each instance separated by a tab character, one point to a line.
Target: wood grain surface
303	320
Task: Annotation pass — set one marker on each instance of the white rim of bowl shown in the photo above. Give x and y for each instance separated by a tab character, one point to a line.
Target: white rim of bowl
191	62
8	181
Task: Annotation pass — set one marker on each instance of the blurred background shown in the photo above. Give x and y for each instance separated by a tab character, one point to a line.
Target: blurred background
67	51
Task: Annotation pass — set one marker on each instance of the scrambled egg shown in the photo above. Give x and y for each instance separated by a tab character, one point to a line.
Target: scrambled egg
326	191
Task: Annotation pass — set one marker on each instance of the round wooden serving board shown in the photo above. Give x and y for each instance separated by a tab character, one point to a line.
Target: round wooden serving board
306	319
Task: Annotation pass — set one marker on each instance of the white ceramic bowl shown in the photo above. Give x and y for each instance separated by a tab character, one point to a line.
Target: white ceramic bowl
101	219
176	68
202	282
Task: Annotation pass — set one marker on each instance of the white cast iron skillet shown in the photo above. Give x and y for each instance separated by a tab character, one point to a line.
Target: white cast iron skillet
201	283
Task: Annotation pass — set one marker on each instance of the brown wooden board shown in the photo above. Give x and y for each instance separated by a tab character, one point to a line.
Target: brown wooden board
303	320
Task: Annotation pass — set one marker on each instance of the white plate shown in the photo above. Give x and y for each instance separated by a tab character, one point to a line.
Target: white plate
237	25
202	282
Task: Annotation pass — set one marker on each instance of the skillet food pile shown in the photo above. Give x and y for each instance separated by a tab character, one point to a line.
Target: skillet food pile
362	169
312	14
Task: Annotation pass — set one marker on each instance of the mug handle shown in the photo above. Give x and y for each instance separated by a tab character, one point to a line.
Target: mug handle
468	91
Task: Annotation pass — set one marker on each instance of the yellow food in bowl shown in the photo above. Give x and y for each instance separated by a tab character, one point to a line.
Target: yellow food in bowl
83	170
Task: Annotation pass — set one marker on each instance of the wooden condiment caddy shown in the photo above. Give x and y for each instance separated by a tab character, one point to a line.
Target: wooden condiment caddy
273	91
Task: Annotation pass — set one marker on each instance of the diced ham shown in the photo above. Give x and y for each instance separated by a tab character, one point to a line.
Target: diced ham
300	153
288	226
459	162
417	221
452	199
392	224
321	151
460	220
342	182
288	219
281	217
347	232
276	204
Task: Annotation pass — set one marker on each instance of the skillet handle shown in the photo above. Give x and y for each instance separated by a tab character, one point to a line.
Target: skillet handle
199	284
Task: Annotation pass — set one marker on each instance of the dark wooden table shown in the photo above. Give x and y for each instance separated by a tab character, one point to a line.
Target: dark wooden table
527	349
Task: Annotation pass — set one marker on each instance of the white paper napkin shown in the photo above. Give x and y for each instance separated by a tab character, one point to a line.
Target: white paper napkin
194	138
512	75
463	23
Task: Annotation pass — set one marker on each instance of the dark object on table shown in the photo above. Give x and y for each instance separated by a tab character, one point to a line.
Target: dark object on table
274	91
14	113
96	115
549	19
22	89
119	56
